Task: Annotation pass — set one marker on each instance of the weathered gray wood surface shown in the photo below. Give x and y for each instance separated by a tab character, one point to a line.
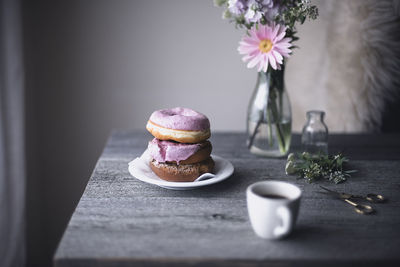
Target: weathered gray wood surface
121	221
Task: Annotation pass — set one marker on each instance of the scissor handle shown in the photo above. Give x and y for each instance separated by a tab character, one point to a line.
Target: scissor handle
375	198
361	208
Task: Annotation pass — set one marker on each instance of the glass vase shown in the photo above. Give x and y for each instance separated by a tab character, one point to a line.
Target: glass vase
269	116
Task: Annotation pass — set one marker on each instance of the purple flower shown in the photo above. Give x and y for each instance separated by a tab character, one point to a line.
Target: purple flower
271	13
270	9
253	16
267	3
236	7
254	11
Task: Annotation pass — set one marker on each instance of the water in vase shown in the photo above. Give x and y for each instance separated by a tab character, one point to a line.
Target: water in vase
270	140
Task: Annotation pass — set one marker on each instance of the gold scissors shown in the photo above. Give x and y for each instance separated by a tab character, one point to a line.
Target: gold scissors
359	208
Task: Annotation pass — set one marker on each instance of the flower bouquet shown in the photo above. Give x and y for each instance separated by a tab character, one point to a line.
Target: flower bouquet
268	42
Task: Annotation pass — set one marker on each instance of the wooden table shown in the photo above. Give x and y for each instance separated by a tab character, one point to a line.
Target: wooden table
121	221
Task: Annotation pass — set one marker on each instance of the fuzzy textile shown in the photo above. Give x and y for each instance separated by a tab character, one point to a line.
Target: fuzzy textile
352	64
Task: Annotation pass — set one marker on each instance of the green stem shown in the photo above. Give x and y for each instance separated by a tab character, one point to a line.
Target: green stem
276	118
251	139
270	139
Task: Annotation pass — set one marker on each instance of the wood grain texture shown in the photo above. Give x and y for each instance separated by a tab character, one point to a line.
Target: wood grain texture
121	221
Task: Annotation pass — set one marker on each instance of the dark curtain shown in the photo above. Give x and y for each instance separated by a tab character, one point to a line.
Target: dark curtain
12	154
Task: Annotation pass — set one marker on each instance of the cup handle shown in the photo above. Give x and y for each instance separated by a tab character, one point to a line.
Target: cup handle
286	216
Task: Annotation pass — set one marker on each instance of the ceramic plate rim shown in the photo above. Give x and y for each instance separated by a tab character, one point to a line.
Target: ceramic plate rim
188	185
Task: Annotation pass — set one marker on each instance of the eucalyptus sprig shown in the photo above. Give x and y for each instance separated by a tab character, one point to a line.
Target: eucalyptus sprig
314	167
247	13
297	12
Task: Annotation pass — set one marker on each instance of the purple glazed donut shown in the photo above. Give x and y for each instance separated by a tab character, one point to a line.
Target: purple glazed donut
179	153
179	124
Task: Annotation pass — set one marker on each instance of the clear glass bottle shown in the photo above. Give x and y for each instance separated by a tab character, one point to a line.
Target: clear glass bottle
269	117
314	138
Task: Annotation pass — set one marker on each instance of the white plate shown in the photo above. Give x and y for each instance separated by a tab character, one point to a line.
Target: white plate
140	169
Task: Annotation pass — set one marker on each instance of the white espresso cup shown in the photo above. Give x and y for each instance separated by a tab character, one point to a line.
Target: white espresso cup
273	207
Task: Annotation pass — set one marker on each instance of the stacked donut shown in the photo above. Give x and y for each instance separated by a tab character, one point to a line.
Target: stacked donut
180	151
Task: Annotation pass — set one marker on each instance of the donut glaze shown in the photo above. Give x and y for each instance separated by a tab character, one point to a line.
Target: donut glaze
180	119
179	124
179	153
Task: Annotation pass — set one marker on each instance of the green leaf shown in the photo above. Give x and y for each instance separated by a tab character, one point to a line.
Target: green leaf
313	167
220	3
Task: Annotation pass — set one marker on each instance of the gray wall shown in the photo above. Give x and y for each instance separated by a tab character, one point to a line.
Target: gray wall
97	65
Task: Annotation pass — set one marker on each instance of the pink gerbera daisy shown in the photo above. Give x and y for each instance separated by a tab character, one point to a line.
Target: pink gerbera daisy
265	46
